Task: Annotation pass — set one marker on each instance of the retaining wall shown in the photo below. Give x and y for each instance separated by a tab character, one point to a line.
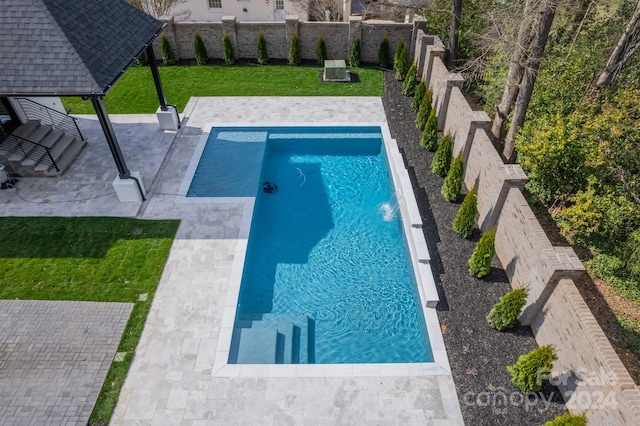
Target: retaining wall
588	372
338	37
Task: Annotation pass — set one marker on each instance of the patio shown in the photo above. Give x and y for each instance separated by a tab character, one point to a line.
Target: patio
172	378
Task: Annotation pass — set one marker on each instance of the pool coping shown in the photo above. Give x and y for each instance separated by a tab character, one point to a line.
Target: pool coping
412	224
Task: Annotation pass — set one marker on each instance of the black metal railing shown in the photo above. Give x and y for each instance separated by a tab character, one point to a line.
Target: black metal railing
13	144
49	116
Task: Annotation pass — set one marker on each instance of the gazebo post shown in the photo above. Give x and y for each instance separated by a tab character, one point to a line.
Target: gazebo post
128	185
168	117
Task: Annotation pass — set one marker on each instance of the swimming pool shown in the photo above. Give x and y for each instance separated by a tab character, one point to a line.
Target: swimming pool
327	276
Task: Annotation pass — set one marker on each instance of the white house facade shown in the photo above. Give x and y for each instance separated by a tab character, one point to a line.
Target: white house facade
243	10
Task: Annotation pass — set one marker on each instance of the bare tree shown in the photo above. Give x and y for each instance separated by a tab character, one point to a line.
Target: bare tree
456	15
530	73
624	50
162	8
516	69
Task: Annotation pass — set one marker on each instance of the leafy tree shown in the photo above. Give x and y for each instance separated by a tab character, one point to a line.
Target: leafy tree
480	261
162	8
453	182
531	369
354	53
417	97
227	50
168	58
383	53
200	49
424	110
295	57
263	56
466	217
321	52
429	139
410	81
505	313
442	158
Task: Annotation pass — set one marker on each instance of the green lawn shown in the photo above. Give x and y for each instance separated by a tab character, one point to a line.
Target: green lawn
135	93
99	259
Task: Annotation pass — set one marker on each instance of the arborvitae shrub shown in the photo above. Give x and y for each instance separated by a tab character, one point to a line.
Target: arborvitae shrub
424	109
227	50
453	182
466	216
531	369
295	57
200	49
321	52
442	158
401	64
506	312
143	59
568	420
168	58
417	97
410	81
480	261
354	53
429	140
263	56
383	53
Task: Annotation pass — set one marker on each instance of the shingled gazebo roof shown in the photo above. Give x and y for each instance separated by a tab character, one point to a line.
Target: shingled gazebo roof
69	47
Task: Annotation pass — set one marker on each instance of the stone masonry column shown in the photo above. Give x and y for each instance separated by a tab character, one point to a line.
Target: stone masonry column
433	51
453	80
480	121
512	176
291	23
419	26
420	51
355	29
229	27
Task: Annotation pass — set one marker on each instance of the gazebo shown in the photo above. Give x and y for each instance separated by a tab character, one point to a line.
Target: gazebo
53	48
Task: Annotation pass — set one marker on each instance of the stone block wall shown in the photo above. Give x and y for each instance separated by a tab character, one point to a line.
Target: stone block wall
338	37
588	372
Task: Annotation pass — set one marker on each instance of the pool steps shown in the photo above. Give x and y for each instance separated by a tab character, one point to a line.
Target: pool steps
272	338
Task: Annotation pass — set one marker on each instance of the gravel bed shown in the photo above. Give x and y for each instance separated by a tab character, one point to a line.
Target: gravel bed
478	354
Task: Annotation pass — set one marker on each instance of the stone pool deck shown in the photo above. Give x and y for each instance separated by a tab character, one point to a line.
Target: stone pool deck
174	376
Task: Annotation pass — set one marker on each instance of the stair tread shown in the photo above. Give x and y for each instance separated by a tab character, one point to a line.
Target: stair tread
257	346
295	327
26	129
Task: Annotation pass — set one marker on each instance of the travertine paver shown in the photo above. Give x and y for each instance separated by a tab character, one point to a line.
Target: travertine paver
54	357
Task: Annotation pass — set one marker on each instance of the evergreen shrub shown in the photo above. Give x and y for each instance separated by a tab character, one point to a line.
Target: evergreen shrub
527	374
200	49
466	216
453	182
410	81
401	60
321	52
168	58
143	59
568	420
354	53
424	110
295	57
506	312
480	261
383	53
417	97
227	50
442	158
263	56
429	139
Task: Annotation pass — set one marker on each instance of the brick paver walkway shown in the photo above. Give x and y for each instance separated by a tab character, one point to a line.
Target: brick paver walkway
54	357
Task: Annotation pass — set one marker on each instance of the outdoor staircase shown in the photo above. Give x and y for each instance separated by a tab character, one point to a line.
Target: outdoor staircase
37	150
272	338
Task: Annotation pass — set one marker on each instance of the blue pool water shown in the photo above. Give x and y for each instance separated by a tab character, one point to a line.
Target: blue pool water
327	276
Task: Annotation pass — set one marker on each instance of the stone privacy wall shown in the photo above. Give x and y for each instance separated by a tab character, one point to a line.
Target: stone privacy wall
338	37
588	372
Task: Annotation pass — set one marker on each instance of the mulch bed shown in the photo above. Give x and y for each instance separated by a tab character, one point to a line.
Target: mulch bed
478	354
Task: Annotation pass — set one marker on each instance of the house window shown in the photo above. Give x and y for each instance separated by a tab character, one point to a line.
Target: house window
279	4
215	4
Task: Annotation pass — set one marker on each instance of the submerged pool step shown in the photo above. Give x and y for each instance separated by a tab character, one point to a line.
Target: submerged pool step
291	329
258	346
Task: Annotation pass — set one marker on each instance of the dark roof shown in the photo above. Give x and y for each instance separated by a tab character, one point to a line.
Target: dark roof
69	47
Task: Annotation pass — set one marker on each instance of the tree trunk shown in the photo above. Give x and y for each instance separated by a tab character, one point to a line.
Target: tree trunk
514	76
529	76
456	14
626	47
